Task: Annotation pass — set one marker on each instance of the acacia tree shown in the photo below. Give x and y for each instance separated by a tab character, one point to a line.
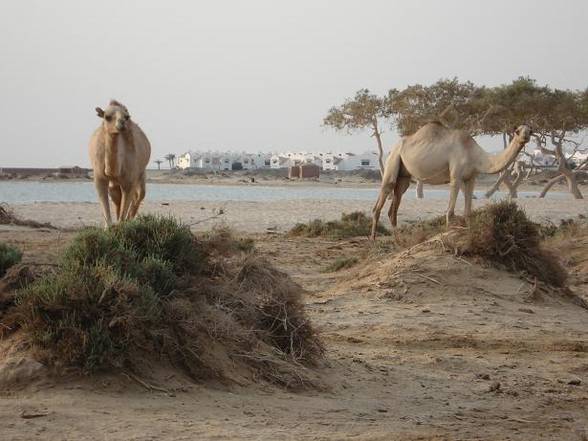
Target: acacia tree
158	162
521	101
364	111
455	104
567	116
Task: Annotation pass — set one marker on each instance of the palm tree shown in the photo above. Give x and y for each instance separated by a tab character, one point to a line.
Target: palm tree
171	158
158	162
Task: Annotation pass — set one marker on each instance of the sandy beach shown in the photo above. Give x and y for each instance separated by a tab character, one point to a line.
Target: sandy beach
256	217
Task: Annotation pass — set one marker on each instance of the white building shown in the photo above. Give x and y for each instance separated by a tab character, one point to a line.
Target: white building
281	161
189	160
221	161
333	161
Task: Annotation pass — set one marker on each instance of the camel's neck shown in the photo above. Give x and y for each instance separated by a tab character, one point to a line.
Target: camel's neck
492	164
116	144
111	160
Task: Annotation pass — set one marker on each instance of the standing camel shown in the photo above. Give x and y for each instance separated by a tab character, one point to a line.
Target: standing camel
119	152
437	155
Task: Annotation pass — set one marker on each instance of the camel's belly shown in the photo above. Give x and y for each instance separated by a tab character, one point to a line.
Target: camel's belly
431	177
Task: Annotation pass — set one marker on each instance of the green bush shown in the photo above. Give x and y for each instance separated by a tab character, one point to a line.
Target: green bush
149	287
108	289
9	256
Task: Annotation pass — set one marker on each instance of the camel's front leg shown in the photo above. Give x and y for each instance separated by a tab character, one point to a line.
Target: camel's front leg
139	196
116	196
453	192
384	192
468	194
102	190
127	200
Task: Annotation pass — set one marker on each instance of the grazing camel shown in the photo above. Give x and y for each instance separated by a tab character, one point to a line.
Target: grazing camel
438	155
119	152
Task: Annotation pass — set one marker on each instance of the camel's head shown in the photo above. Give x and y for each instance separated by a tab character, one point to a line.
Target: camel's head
115	117
523	133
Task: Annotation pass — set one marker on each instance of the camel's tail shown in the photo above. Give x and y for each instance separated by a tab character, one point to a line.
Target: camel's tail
391	173
392	169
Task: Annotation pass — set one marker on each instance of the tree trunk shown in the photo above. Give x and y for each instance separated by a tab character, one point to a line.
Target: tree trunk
563	168
550	184
378	137
571	181
419	190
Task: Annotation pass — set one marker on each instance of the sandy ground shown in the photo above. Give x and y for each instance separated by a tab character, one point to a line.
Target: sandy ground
421	345
258	217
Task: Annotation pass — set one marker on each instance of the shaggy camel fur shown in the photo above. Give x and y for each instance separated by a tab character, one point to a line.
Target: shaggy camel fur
438	155
119	152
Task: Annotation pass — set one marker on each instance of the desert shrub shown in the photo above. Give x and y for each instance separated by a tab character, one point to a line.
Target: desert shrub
278	311
567	228
351	225
503	234
9	256
341	263
149	286
108	290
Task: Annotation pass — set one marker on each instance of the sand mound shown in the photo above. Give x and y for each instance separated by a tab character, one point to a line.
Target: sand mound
434	270
147	293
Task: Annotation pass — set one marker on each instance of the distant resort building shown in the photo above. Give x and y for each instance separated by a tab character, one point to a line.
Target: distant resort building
219	161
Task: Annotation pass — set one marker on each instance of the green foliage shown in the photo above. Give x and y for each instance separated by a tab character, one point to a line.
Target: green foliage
351	225
358	113
9	256
108	289
488	110
148	287
341	263
416	105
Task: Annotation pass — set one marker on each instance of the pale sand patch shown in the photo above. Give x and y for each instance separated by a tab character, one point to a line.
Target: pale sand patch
282	215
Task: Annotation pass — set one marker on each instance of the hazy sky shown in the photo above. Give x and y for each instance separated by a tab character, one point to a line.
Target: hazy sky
255	74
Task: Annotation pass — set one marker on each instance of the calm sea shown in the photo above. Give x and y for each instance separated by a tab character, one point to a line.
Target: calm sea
18	192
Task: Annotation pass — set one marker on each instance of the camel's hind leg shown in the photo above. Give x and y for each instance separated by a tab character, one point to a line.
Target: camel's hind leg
139	196
102	190
454	187
468	194
399	189
383	196
116	195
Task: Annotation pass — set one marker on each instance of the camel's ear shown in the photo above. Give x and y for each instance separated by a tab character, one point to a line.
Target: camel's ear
99	112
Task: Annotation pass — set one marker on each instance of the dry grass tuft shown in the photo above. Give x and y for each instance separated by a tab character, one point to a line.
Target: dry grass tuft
351	225
341	263
409	235
148	286
502	233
